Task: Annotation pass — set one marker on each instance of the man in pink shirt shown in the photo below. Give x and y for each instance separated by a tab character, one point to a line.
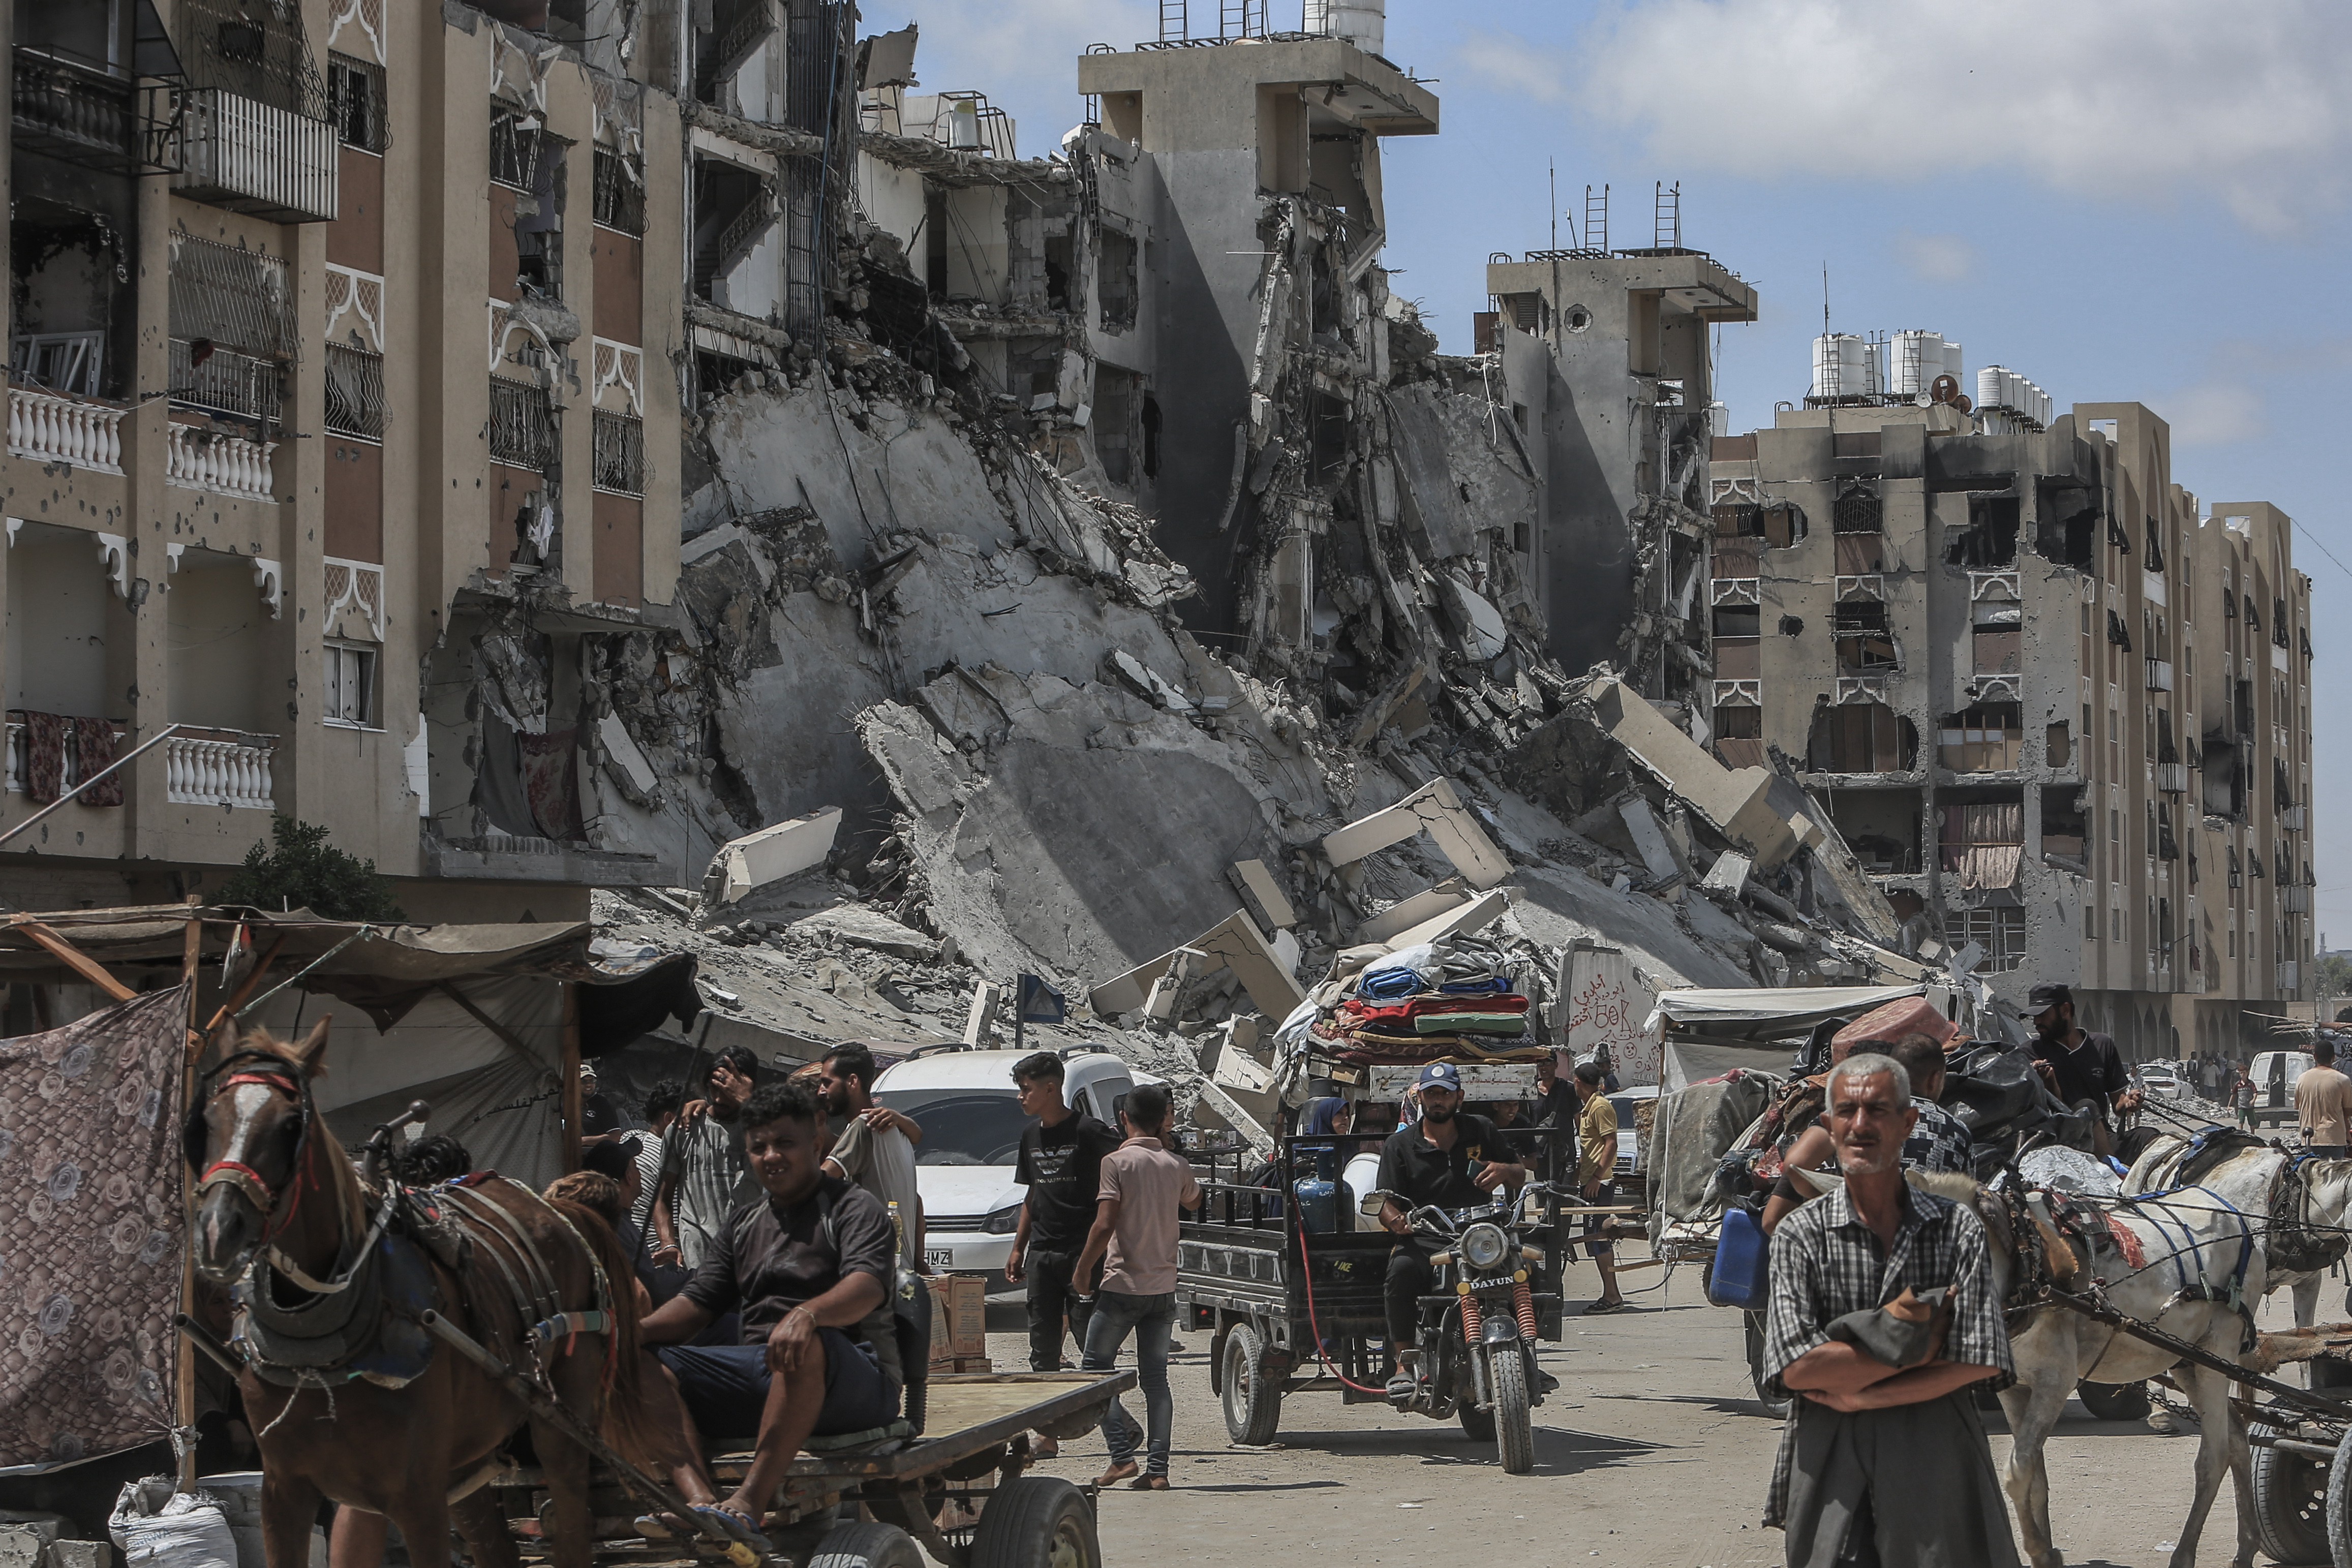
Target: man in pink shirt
1144	1187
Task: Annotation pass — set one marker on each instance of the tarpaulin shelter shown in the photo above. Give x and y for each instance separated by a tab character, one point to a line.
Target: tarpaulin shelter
1706	1033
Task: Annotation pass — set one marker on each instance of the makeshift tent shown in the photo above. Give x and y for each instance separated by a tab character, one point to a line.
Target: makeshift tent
1706	1033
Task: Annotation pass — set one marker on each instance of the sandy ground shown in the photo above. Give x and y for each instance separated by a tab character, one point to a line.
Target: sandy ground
1653	1451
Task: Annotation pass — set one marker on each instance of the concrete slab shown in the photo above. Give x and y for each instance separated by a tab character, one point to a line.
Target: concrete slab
770	856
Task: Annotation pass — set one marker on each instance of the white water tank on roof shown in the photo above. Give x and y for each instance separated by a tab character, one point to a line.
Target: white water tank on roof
1992	388
1913	361
1840	365
1363	22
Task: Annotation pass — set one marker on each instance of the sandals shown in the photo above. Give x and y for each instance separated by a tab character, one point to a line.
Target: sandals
736	1526
1599	1308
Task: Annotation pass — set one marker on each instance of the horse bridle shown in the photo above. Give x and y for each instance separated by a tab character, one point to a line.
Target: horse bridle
271	1072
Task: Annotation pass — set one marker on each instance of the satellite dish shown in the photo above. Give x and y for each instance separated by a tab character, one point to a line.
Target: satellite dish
1922	399
1964	403
1944	389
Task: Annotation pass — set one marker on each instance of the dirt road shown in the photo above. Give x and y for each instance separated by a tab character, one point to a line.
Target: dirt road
1650	1452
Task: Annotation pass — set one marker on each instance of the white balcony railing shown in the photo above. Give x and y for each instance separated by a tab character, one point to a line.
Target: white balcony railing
257	158
226	768
2295	900
64	430
69	765
2294	818
2172	778
2160	675
2289	977
226	465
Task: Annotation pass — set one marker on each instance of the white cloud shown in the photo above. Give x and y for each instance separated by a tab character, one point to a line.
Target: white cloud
2144	101
1935	259
2212	414
1512	64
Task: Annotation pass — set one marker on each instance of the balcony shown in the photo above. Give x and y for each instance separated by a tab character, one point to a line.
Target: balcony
256	158
78	114
219	768
2172	778
69	765
2294	818
2160	675
2290	977
223	464
64	430
2295	900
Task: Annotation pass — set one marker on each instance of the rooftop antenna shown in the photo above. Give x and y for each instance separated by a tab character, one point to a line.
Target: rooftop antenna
1551	168
1825	297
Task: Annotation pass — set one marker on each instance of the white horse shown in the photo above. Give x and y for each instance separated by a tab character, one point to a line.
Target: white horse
2320	1199
2189	1247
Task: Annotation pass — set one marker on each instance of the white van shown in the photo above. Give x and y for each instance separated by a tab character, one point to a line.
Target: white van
973	1125
2274	1074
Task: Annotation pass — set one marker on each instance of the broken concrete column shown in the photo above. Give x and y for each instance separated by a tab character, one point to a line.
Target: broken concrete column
769	855
1437	809
1650	839
1185	965
1268	905
978	1024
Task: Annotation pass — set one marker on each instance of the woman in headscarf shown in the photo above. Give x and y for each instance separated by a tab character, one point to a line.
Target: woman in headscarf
1326	1117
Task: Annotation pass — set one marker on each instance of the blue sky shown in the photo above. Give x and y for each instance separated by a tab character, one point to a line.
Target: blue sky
2142	201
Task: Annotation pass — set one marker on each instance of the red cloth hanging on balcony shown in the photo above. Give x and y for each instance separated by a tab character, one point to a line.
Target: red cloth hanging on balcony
44	756
94	753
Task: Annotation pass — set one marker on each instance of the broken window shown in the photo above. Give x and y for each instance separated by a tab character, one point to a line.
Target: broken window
1985	738
71	303
355	101
1115	280
2167	846
2056	747
232	327
1989	541
1984	840
1865	647
618	454
1999	930
2118	632
2279	623
2155	562
2065	827
350	684
522	425
1861	738
2066	517
620	194
257	52
1737	628
1740	735
354	392
1151	423
1738	541
1997	640
1856	509
529	162
1882	828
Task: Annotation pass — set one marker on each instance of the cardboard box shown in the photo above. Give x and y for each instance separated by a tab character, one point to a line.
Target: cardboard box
959	1316
962	1365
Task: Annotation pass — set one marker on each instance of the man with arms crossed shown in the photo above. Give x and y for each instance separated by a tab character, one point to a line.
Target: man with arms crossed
1883	1463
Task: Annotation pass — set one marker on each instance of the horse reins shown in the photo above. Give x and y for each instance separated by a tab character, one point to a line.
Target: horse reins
244	1178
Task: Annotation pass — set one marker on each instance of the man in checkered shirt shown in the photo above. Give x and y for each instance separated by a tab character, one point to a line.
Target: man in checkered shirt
1882	1464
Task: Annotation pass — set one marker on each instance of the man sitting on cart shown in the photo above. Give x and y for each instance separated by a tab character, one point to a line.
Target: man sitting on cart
808	1263
1447	1159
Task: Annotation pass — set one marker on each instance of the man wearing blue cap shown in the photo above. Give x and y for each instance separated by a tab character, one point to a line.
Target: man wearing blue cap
1442	1159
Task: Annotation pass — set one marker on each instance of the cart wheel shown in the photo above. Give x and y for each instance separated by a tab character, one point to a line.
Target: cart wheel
2291	1502
2339	1504
1506	1370
1753	1326
1253	1402
1038	1521
2114	1401
864	1545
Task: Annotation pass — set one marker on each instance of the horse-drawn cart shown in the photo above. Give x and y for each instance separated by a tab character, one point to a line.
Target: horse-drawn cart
958	1491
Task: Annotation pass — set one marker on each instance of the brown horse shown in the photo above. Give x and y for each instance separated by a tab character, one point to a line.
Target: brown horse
283	1217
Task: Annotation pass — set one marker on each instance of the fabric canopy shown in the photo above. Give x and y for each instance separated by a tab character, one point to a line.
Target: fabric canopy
1766	1014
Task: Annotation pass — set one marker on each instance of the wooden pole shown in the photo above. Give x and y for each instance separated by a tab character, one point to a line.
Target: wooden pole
184	1367
571	1074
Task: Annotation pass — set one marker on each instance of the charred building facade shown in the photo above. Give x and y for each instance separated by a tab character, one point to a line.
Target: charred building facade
2020	668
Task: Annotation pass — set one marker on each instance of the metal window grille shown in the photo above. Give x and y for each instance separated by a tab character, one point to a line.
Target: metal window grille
522	425
514	152
220	381
231	295
354	393
356	103
620	194
619	443
350	684
2000	931
257	51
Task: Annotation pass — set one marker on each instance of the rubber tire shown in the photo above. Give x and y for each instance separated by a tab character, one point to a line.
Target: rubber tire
2339	1504
1514	1437
1038	1521
2291	1504
1478	1426
863	1544
2114	1401
1253	1404
1753	1332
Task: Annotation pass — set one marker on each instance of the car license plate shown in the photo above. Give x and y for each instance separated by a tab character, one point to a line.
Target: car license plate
937	1257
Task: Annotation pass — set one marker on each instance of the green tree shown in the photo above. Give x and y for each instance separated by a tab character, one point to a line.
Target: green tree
300	869
2334	975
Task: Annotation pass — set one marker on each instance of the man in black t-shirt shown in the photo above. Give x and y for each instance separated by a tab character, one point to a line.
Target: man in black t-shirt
1447	1159
809	1264
1061	1166
2078	1066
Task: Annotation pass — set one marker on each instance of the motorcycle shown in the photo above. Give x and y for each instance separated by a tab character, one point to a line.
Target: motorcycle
1474	1338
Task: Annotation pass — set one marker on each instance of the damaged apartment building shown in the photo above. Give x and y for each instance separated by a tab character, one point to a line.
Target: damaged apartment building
2061	714
328	468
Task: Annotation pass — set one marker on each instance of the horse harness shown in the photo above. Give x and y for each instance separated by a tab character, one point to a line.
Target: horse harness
2297	1244
365	1320
2087	1232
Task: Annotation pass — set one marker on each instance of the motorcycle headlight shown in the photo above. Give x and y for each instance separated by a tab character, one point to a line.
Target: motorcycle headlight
1483	1246
1003	1221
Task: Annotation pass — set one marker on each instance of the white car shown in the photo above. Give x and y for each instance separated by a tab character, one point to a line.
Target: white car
973	1125
1631	1167
2162	1081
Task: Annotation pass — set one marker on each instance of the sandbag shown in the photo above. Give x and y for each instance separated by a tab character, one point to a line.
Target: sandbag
160	1528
